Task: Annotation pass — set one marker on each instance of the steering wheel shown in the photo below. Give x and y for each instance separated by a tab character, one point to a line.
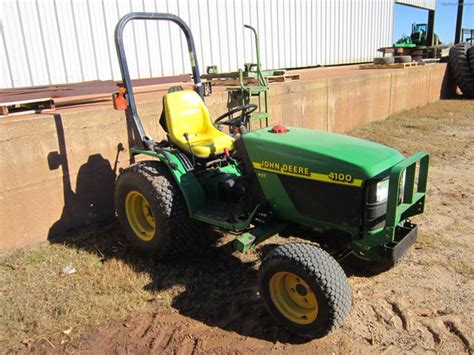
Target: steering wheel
246	110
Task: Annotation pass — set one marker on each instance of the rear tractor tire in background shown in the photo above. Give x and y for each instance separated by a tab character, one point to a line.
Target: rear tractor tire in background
304	289
470	57
153	213
384	60
461	68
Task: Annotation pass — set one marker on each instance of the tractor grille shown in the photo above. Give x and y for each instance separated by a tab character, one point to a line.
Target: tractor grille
374	216
333	203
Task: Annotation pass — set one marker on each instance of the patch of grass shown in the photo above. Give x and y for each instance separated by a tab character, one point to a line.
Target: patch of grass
408	131
429	240
38	301
458	264
463	267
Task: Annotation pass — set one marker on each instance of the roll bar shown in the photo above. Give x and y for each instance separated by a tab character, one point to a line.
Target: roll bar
132	108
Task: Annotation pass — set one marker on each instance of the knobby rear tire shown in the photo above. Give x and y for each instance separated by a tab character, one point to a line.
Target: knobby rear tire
176	234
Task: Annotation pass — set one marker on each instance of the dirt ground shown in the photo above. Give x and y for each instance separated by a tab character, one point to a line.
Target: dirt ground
424	305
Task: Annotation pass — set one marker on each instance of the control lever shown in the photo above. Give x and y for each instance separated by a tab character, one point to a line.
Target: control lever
186	136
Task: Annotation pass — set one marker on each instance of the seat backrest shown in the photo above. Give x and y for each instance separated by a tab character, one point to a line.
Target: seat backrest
185	113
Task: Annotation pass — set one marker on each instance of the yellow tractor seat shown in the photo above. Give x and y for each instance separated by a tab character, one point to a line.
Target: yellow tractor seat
185	112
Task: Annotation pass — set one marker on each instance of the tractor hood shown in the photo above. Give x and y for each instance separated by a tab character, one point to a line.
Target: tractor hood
305	152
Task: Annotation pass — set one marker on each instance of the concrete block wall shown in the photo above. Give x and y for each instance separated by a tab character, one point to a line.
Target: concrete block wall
57	170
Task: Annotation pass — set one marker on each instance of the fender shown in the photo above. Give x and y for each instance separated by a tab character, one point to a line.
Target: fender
192	191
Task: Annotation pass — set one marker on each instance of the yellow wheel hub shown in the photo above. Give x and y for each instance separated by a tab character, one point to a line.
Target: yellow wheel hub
293	298
139	215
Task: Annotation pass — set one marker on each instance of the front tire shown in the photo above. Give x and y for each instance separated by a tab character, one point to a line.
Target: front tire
304	289
153	213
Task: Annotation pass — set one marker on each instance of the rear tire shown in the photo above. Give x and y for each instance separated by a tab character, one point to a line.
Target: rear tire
470	57
153	213
461	69
304	289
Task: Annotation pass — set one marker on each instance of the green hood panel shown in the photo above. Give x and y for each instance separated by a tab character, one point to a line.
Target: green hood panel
321	152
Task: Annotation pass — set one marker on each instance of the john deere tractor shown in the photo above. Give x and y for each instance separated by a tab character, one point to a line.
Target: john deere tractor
282	180
418	37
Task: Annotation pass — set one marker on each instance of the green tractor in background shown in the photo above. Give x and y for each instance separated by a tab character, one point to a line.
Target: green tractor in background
418	37
292	181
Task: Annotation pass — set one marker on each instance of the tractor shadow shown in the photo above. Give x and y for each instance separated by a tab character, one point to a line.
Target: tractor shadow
91	199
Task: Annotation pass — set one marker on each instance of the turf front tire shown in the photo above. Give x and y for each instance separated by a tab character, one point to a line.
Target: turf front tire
153	213
304	289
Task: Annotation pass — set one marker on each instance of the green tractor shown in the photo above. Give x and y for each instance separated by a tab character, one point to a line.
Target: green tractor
281	180
418	37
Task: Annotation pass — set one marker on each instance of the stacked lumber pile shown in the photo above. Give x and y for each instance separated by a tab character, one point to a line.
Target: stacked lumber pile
39	99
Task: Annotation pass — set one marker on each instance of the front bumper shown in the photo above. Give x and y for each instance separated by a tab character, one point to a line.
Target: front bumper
405	237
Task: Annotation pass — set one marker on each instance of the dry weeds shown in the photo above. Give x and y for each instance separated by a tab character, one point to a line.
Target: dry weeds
38	301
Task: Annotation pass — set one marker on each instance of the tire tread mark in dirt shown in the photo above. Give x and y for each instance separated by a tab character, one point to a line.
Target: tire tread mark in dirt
436	334
140	329
147	331
454	329
157	342
188	346
397	310
195	346
170	338
378	311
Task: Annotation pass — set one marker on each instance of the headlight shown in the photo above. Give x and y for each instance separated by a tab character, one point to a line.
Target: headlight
381	191
378	192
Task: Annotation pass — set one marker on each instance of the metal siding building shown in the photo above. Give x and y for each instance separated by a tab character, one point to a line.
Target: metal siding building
424	4
66	41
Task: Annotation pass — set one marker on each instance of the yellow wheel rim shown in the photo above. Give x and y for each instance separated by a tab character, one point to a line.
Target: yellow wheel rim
140	216
293	298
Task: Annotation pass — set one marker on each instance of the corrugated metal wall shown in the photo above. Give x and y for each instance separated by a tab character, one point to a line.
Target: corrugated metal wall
65	41
425	4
